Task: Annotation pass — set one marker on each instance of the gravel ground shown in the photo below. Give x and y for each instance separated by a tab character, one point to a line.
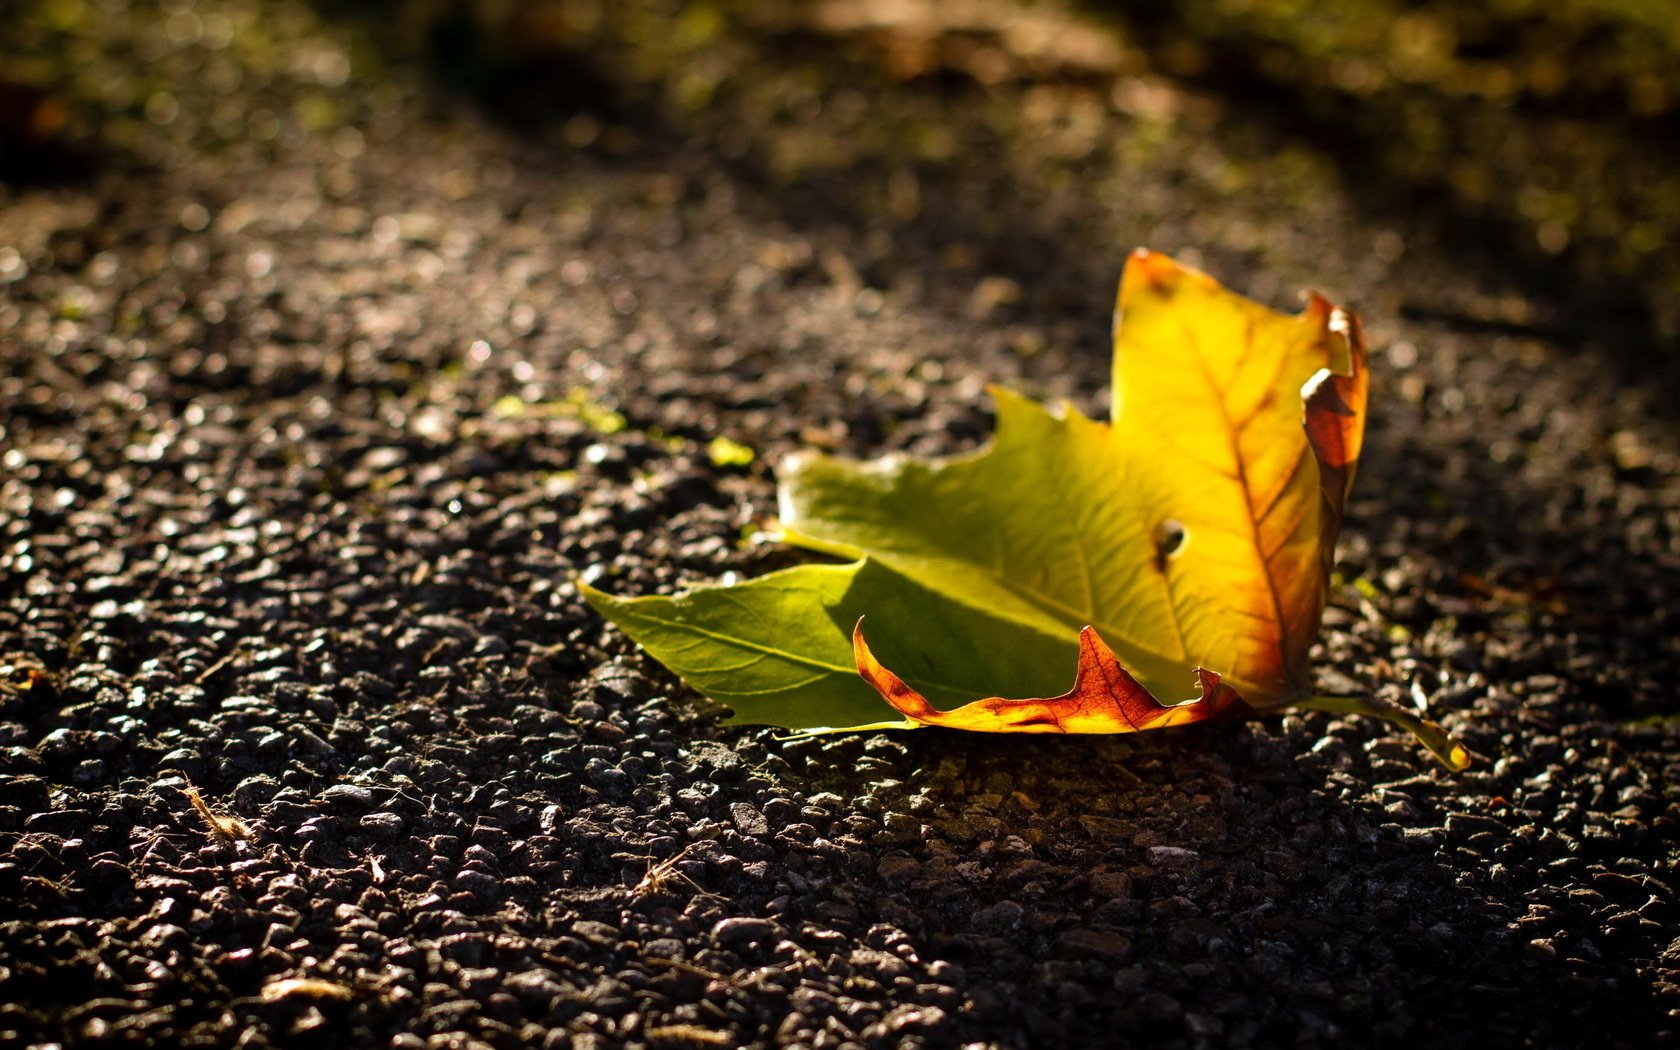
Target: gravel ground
328	365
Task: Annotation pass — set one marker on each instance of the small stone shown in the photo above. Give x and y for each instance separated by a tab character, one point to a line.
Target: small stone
898	869
595	932
1096	944
476	882
742	930
748	820
1000	917
383	824
348	794
1173	857
1542	948
910	1018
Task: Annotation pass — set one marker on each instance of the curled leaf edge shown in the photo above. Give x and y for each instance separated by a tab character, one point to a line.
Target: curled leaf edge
1216	701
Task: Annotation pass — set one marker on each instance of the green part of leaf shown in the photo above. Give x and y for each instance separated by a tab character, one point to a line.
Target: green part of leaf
1038	530
1453	755
778	650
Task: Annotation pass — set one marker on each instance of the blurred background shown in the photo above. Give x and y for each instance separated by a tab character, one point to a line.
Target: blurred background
1534	141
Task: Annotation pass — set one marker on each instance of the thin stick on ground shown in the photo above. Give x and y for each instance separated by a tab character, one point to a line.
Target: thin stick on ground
231	828
662	874
690	1034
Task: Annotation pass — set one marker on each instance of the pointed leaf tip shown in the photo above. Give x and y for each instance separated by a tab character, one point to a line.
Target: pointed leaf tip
1152	272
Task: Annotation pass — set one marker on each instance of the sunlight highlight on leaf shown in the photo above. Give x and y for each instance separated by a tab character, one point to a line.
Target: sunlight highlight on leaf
1178	557
1194	531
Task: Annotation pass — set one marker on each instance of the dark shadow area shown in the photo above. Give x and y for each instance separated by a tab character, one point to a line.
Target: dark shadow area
1427	155
1427	151
1236	903
37	145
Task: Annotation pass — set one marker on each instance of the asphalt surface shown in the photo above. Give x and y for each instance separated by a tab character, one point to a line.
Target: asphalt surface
336	346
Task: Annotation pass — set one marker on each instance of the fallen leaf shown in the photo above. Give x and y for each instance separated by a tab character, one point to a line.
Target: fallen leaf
1186	545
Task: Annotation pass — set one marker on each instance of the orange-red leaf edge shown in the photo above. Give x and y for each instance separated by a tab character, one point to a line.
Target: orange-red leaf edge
1105	698
1335	424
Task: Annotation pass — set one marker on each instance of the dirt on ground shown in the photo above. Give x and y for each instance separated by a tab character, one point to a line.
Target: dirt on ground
338	341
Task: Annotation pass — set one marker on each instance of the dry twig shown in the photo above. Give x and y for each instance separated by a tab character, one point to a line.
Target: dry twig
231	828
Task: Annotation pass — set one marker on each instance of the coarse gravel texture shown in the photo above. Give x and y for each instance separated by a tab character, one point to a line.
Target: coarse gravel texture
336	345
